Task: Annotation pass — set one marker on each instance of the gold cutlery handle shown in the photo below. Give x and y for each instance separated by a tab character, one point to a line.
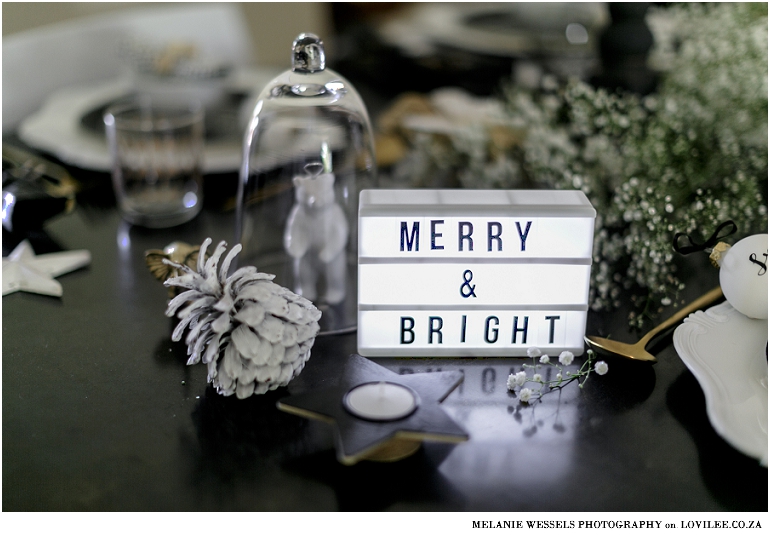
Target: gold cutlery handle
699	303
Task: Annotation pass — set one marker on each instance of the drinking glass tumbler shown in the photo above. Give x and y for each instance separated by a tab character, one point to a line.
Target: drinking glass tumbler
156	151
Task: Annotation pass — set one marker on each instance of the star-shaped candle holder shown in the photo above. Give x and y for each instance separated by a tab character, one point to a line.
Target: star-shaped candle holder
379	415
25	271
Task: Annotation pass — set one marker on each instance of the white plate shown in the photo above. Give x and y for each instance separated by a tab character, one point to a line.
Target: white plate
57	126
500	29
725	350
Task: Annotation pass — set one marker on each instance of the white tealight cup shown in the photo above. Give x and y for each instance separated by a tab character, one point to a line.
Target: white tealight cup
381	401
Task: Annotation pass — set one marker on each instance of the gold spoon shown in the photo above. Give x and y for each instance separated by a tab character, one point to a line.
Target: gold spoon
637	351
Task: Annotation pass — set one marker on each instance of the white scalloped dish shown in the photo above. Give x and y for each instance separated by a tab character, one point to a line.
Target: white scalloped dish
726	351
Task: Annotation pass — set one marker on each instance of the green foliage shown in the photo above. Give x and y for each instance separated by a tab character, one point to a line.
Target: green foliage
684	159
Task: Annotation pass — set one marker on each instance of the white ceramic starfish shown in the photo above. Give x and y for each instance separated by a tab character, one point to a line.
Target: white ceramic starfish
24	271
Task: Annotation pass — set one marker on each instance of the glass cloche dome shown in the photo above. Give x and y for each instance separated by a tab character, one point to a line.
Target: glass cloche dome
308	151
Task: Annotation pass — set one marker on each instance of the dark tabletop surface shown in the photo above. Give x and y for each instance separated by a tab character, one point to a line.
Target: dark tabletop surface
100	411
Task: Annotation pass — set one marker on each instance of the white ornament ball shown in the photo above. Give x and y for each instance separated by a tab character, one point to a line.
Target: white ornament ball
743	276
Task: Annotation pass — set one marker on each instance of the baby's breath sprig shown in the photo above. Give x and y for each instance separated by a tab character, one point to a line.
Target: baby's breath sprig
683	159
517	381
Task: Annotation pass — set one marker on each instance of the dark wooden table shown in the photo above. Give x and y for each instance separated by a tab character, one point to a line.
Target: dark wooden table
100	412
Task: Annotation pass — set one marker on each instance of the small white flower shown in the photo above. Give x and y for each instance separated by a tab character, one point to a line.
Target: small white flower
511	383
558	376
520	378
544	359
537	378
525	394
516	379
601	367
565	358
533	352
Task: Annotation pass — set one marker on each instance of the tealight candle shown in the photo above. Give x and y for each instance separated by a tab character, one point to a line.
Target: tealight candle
381	401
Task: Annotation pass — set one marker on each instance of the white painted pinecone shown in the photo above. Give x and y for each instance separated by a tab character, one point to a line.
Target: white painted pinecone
253	334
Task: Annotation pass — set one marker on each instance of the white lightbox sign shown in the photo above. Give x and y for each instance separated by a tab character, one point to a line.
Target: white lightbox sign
473	272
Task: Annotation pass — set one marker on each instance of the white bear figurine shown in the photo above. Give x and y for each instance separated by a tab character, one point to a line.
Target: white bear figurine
315	236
